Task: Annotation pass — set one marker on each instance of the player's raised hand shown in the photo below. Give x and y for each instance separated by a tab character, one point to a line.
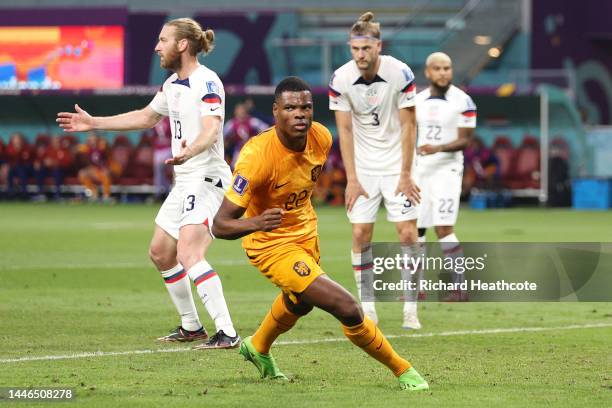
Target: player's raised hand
427	149
270	219
184	155
80	121
354	189
409	188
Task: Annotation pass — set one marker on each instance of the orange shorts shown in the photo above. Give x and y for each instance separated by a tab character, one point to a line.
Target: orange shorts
291	267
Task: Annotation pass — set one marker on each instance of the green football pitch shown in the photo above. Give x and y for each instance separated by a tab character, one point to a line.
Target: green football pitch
81	306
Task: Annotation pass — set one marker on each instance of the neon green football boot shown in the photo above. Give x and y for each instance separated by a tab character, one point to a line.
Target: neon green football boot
264	362
411	380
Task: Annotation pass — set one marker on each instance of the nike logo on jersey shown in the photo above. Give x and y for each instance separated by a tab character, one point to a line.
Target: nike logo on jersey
277	186
214	109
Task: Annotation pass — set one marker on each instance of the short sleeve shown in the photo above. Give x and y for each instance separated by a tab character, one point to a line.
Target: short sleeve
324	137
159	103
213	99
248	175
407	88
337	96
329	140
467	118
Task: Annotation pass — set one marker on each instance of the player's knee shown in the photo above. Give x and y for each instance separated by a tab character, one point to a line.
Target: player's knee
300	309
443	231
160	257
408	234
362	235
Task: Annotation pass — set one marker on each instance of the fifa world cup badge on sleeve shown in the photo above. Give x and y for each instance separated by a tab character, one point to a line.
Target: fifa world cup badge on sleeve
240	184
212	87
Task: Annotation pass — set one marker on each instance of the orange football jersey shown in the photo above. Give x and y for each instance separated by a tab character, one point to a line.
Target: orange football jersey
268	175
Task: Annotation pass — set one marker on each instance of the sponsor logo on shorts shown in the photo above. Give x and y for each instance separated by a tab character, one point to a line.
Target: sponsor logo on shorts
301	268
315	172
240	184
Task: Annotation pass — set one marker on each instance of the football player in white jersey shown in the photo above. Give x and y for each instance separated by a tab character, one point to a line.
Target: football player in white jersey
446	118
373	99
194	99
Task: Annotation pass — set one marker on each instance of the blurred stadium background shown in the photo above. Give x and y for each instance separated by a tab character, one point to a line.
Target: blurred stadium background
540	73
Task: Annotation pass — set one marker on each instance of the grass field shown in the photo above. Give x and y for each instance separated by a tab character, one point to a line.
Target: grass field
75	279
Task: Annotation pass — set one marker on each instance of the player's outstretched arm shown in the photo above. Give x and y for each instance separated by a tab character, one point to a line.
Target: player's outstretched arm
344	123
81	121
228	223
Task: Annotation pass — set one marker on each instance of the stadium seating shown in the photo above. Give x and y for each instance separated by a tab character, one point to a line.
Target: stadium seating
119	158
504	151
140	170
42	139
525	171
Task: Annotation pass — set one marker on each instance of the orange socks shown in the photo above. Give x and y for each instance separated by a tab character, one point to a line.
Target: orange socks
369	337
365	335
277	321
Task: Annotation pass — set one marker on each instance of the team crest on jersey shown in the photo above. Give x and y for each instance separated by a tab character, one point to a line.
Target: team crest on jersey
316	172
212	87
301	268
433	111
372	96
240	184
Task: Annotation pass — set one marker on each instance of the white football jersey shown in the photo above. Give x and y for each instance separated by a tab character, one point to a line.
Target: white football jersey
438	121
375	112
186	101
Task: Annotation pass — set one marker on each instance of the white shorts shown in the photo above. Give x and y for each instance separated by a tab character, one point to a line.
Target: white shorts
381	188
440	194
191	202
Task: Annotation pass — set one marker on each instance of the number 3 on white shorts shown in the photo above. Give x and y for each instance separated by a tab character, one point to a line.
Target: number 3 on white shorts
190	202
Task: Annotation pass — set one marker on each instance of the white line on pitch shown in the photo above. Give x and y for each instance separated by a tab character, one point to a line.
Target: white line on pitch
132	265
314	341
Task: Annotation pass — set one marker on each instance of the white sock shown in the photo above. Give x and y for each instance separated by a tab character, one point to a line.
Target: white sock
209	288
410	308
452	249
411	251
178	286
423	253
362	269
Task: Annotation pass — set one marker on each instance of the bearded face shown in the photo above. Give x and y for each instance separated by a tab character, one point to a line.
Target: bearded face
167	49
